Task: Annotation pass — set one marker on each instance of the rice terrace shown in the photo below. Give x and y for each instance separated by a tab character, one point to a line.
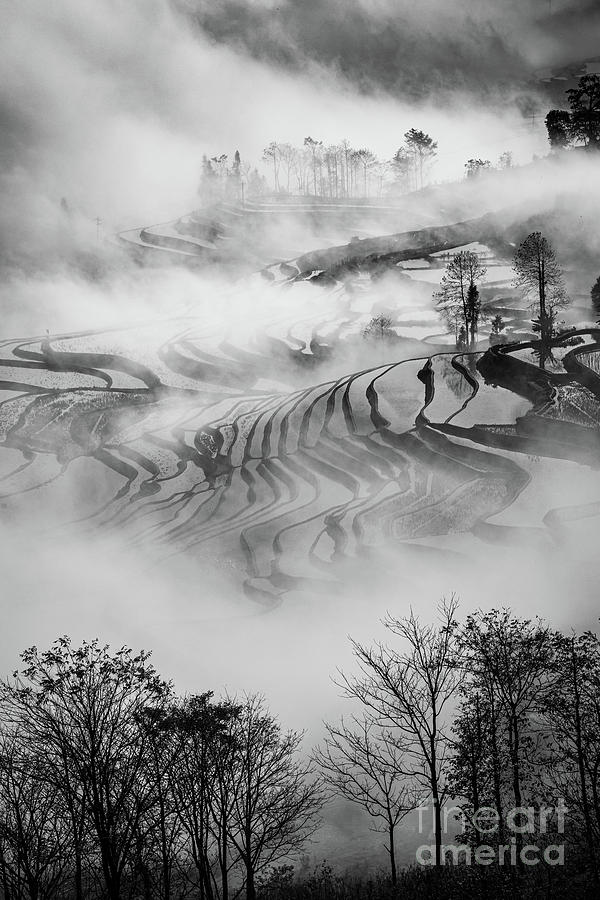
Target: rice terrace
314	420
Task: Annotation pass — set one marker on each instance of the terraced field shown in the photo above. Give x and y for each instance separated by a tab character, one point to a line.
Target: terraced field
292	454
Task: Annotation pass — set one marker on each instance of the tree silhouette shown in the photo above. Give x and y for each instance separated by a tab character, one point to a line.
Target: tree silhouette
35	837
423	148
538	273
313	145
367	160
497	327
584	101
272	153
276	800
508	676
595	294
458	297
408	691
198	731
498	324
572	719
558	125
80	710
365	764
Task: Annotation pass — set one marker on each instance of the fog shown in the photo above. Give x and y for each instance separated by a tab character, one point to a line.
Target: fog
110	107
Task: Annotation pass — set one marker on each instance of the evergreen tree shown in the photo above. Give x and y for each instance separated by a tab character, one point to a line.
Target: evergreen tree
497	327
423	148
558	125
584	101
538	273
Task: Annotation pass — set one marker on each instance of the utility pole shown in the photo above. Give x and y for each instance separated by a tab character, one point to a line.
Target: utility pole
98	224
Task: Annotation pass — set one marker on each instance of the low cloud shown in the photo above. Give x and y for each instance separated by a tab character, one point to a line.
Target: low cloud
111	104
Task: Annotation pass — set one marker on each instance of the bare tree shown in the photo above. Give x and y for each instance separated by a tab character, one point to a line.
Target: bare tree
571	712
164	835
345	155
314	146
202	740
80	708
508	667
368	161
35	838
287	156
272	153
458	297
277	799
409	692
301	166
380	328
364	764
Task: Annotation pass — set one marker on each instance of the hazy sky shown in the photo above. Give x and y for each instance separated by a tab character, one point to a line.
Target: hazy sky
111	103
410	49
